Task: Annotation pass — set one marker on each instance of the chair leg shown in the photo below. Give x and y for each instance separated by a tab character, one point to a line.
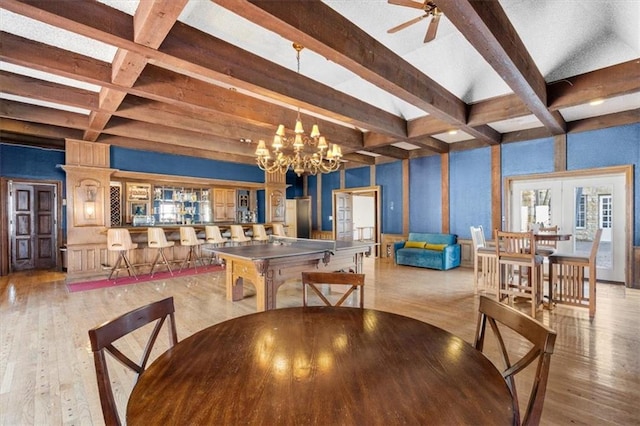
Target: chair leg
164	261
192	257
130	269
116	267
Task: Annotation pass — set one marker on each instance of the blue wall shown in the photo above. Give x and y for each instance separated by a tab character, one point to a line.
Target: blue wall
330	182
389	178
425	193
470	190
181	165
357	177
312	188
525	158
31	163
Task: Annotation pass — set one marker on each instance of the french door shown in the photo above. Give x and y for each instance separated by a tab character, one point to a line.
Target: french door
579	206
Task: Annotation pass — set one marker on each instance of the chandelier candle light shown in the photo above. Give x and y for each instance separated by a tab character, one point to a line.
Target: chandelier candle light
307	154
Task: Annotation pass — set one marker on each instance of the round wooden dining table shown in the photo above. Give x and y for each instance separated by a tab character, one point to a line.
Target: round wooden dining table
322	366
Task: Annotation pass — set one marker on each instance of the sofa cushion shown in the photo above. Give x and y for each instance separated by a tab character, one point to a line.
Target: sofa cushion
414	244
436	247
433	238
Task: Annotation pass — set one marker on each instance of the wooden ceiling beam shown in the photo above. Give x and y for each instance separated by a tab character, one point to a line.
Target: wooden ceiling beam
199	152
183	51
38	130
342	42
605	121
616	80
42	115
169	87
486	26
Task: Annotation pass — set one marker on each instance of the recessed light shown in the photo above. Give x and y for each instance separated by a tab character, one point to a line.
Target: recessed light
596	102
453	132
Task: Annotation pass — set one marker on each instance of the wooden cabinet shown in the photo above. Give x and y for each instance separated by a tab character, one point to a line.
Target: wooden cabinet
224	205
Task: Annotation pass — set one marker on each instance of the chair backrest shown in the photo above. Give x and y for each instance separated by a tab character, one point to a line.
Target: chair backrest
119	239
540	336
516	246
213	235
477	236
313	279
103	337
278	230
156	238
188	236
552	242
237	233
594	247
259	233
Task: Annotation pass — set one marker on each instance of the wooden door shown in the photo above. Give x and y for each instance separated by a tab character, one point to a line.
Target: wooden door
33	236
343	217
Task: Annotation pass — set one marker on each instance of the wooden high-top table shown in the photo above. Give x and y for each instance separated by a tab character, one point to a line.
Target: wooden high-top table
325	366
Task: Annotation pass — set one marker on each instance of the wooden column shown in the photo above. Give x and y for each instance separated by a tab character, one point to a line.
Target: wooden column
87	165
560	153
496	190
406	196
446	224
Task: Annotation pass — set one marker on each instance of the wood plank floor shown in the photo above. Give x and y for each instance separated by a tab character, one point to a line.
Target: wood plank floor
47	374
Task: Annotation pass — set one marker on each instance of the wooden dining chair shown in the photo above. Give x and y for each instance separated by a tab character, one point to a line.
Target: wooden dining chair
485	262
567	277
102	341
520	269
313	281
546	246
499	316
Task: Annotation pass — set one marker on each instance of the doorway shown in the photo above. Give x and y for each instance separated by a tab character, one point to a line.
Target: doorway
356	213
579	203
33	225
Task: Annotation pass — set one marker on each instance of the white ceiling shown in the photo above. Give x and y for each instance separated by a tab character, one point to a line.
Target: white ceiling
564	37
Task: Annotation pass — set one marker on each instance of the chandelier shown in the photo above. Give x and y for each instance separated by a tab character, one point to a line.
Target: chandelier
300	153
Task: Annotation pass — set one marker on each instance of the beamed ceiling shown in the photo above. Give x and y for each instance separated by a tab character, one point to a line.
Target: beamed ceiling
210	78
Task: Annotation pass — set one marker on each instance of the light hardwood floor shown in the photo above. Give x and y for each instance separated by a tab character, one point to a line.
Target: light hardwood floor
47	374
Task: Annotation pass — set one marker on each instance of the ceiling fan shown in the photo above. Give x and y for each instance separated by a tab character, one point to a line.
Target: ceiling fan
428	7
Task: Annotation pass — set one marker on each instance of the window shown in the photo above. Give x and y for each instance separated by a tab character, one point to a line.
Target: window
605	203
581	211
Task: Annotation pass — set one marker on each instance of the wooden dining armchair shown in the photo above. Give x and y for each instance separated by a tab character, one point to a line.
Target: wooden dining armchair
499	316
567	277
102	341
520	269
313	281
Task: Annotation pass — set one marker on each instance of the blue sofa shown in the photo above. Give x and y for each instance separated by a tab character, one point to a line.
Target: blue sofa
435	251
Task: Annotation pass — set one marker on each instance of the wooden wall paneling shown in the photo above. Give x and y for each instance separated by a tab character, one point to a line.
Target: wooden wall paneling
446	215
496	190
560	153
636	268
4	231
406	194
319	202
83	153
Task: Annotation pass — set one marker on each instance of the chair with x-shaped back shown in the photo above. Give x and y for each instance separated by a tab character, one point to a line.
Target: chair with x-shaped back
102	341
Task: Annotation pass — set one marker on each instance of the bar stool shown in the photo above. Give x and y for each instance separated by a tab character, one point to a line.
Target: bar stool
260	234
237	234
120	240
278	230
214	236
157	240
189	238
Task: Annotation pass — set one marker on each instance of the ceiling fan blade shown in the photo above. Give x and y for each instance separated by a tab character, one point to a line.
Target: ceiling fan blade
406	24
433	28
407	3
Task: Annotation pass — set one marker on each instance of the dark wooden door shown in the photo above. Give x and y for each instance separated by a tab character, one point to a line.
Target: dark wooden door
33	240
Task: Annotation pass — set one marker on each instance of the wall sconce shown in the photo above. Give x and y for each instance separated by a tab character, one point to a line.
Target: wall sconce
90	204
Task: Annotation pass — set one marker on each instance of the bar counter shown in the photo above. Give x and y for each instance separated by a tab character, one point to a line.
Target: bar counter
143	256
